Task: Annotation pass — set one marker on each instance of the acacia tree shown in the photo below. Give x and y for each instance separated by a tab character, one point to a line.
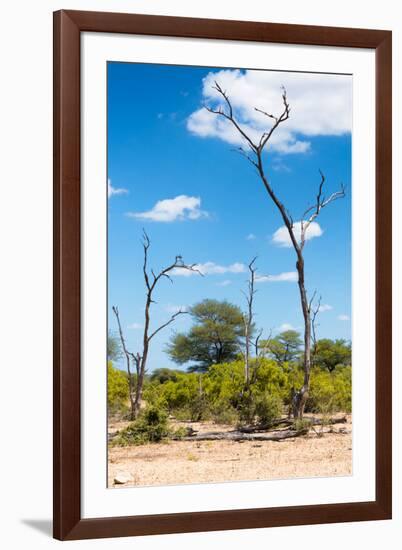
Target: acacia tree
254	154
214	338
151	280
284	348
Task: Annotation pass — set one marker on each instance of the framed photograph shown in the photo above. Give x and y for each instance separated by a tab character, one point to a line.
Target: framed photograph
222	269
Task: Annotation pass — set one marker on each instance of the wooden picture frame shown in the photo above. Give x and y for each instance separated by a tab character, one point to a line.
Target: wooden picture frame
68	26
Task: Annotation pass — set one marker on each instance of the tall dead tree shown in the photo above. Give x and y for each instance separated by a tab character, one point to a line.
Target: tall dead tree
254	154
151	280
128	355
249	320
314	313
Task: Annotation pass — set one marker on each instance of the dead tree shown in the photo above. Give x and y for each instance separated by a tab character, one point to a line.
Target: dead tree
314	313
254	154
151	280
249	321
128	355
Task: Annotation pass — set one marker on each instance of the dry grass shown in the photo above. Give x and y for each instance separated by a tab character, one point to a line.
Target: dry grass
180	462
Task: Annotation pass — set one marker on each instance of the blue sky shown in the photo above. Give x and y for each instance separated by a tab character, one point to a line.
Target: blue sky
163	147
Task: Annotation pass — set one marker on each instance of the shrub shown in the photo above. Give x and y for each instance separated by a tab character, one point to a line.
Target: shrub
150	427
262	407
220	394
330	392
223	413
117	390
301	425
246	406
226	381
182	391
268	407
153	394
164	375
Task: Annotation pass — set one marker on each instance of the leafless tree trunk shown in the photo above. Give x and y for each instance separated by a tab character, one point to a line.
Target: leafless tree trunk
314	314
248	321
140	360
128	356
254	154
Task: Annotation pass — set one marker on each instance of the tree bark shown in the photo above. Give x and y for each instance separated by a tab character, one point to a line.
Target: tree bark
300	396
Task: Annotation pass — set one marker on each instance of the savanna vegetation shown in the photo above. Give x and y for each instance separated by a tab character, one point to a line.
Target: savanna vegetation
214	387
230	371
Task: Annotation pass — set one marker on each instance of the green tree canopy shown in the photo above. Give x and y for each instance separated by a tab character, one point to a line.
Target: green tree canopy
285	347
214	338
163	375
331	353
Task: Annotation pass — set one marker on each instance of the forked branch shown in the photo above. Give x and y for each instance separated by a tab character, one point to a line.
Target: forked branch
321	202
172	318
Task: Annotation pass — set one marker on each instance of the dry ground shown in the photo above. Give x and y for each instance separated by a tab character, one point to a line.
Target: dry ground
178	462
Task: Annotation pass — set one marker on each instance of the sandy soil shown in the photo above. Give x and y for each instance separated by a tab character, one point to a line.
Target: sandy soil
179	462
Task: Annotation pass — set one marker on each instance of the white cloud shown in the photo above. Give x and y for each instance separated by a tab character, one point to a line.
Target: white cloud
226	282
279	166
321	104
211	268
281	236
134	326
286	326
181	207
287	276
251	237
343	317
324	307
114	191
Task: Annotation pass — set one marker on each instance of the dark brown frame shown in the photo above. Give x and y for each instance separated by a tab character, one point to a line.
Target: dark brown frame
68	26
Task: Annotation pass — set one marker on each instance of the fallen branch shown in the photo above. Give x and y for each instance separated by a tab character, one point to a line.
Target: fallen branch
240	436
289	422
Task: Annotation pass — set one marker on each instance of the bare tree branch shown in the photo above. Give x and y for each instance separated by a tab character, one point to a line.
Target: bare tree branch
257	342
278	120
244	154
258	150
137	361
314	325
320	203
146	244
172	318
229	115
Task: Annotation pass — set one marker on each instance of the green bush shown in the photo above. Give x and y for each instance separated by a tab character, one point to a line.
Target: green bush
220	393
301	425
223	413
246	406
268	407
117	390
150	427
164	375
262	407
182	391
330	391
269	387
